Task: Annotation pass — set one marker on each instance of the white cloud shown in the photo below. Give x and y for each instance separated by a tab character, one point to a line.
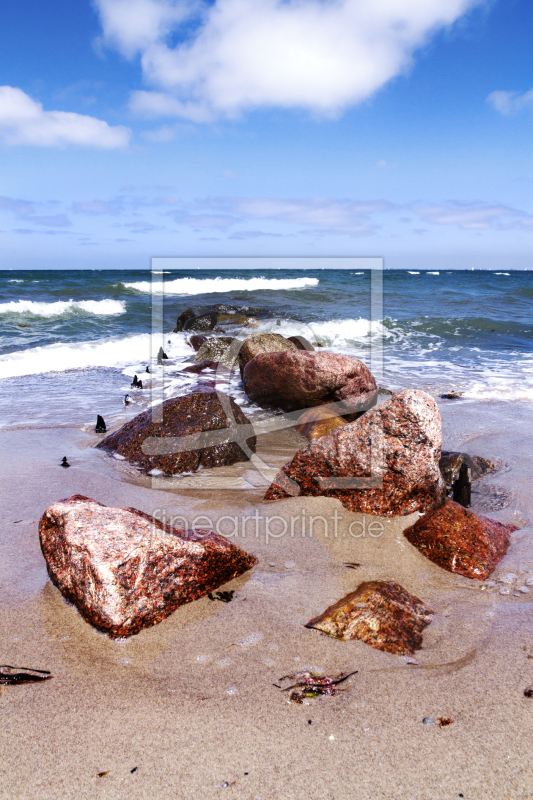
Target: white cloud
476	216
234	55
23	121
509	102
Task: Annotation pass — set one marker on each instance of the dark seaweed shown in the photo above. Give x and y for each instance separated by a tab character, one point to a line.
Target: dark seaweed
18	675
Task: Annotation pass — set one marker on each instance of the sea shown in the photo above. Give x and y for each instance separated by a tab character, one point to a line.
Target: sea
72	340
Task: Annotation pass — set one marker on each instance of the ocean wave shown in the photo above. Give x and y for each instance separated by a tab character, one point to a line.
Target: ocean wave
412	273
15	280
58	308
503	273
432	273
190	286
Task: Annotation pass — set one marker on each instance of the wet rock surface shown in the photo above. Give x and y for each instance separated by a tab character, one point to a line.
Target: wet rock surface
197	368
203	322
395	446
183	318
196	341
451	462
381	613
301	343
460	541
124	570
318	422
210	421
223	349
262	343
298	379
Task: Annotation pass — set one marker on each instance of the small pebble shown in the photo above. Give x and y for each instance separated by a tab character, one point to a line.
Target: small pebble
231	690
289	565
529	581
505	590
331	738
524	589
427	721
509	578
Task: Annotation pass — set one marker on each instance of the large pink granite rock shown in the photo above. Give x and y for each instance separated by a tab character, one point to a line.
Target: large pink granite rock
393	450
295	379
124	570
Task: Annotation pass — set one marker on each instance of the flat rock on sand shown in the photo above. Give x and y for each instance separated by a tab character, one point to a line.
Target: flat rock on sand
395	446
317	422
381	613
297	379
125	571
198	430
460	541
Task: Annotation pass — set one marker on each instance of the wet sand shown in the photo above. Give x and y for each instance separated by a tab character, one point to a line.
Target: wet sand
188	709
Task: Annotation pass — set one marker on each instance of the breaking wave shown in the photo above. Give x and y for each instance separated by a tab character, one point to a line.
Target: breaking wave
190	286
102	308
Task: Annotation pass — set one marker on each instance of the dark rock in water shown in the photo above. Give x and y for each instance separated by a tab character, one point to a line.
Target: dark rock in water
317	422
262	343
161	355
451	396
127	400
196	341
381	613
202	429
139	384
297	379
460	541
100	424
148	370
451	462
135	382
183	318
301	343
124	570
462	487
64	462
224	349
382	391
197	368
395	447
204	322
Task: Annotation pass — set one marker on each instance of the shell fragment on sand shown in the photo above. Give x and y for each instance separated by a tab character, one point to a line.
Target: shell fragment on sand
124	570
381	613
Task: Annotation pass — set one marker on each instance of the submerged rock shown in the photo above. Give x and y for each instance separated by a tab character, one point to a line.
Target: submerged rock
196	341
451	462
381	613
202	429
318	422
298	379
393	450
204	322
460	541
124	570
197	368
262	343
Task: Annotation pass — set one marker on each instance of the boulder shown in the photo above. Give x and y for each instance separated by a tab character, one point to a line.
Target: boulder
183	318
297	379
381	613
194	432
451	462
125	571
224	349
196	341
262	343
197	368
393	450
460	541
317	422
301	343
204	322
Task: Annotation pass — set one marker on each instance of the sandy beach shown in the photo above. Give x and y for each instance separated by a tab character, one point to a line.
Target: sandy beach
189	709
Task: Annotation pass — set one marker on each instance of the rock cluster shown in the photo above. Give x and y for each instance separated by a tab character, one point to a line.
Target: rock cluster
381	613
395	447
460	541
202	429
125	571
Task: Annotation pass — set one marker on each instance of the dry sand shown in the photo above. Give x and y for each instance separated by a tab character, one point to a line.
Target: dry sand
188	708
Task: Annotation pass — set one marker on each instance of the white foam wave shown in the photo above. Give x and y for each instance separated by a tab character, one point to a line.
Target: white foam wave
190	286
503	273
16	280
102	308
432	273
412	273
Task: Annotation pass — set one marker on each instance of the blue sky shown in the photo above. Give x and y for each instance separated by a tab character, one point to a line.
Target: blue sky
139	128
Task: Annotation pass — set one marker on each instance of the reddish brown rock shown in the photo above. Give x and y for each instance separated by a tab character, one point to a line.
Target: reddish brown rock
318	422
262	343
381	613
196	341
125	571
393	449
460	541
298	379
197	368
195	432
